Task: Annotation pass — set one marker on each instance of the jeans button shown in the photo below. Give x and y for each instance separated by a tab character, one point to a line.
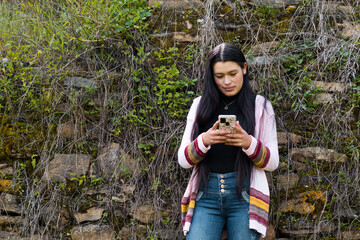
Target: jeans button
222	190
222	180
222	175
222	186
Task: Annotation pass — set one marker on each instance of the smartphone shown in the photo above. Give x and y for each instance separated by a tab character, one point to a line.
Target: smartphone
226	122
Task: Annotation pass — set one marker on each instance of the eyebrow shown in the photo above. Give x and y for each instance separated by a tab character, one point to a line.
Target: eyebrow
232	71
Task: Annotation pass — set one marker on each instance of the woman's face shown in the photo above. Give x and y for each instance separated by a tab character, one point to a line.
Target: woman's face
229	77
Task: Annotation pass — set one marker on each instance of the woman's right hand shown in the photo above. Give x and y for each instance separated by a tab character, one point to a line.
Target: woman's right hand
214	135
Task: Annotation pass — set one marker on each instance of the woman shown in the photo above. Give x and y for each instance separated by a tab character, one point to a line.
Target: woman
228	188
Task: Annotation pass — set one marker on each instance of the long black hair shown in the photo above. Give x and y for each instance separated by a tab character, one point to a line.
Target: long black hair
210	100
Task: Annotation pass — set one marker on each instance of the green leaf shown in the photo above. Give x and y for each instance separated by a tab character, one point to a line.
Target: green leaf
33	160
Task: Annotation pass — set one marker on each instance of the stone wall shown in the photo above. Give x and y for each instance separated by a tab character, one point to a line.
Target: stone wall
314	191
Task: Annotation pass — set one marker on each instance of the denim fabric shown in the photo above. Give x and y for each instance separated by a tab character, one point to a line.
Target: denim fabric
217	205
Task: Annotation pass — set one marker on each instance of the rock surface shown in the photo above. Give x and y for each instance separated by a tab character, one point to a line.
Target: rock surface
67	166
11	220
304	228
260	61
4	235
129	232
6	170
67	130
348	213
276	3
270	233
324	98
169	234
57	216
298	166
349	29
350	234
263	48
112	162
92	232
184	37
125	195
287	181
79	82
91	215
317	154
330	86
5	184
285	138
303	203
315	180
9	204
144	213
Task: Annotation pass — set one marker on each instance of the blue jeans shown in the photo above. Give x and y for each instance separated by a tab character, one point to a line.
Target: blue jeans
217	205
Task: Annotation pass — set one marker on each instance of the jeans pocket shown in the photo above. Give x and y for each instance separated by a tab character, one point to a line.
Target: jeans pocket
246	196
199	194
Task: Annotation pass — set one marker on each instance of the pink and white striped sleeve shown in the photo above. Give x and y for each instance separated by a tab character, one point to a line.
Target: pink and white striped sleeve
191	152
263	150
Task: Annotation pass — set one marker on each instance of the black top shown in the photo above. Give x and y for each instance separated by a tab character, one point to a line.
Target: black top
221	158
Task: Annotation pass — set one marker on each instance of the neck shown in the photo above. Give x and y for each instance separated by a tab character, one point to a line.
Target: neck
228	99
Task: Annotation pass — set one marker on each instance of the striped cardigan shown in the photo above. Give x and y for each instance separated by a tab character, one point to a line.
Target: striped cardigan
263	151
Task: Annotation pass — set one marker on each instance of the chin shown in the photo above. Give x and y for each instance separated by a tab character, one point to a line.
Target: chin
229	94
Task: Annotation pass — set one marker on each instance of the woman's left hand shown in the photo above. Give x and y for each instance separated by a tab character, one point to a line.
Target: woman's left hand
239	139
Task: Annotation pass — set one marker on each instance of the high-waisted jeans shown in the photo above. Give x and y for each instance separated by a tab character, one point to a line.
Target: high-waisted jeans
218	204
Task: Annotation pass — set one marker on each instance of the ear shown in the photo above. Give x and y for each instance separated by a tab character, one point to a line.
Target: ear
245	68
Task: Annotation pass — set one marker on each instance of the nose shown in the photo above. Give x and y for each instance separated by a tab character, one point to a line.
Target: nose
227	80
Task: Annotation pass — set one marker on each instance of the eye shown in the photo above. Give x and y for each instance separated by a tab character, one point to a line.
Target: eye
233	74
219	76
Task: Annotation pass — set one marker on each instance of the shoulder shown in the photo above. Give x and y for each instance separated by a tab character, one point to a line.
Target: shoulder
197	100
259	100
193	108
263	105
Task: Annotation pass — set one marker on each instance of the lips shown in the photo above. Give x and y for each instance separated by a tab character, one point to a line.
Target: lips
229	89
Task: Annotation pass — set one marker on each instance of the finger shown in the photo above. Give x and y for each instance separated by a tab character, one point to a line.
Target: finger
232	143
216	124
224	133
220	139
233	140
238	127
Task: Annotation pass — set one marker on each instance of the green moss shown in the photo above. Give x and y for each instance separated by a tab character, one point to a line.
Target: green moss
17	139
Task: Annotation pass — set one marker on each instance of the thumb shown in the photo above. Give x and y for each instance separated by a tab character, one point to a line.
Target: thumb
239	128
